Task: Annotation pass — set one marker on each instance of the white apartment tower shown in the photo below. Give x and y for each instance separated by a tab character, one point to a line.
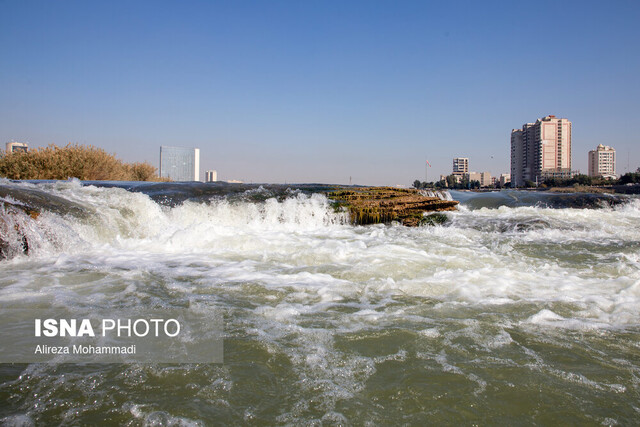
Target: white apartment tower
460	166
211	176
602	161
541	150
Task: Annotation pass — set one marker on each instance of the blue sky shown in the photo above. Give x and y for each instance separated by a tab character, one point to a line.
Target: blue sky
318	91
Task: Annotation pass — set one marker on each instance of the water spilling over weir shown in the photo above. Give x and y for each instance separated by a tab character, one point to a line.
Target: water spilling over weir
521	308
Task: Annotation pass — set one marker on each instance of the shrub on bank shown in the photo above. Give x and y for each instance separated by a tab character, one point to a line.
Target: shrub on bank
87	163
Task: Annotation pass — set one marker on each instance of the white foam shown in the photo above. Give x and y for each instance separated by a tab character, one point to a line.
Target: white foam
292	277
302	247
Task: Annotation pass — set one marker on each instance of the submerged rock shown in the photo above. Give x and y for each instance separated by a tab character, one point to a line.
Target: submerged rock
13	238
39	200
434	219
376	205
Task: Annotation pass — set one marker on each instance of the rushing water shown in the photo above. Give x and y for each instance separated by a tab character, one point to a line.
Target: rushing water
518	310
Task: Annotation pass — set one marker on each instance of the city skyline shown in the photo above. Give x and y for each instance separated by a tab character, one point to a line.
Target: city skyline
316	92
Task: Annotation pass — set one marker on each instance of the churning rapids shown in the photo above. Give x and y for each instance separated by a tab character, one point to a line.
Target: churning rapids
519	309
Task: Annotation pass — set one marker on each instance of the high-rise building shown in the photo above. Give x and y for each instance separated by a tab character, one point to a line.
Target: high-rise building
180	163
541	150
13	147
211	176
460	166
602	161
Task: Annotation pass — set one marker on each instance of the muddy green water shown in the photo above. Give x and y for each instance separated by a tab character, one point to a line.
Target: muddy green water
510	315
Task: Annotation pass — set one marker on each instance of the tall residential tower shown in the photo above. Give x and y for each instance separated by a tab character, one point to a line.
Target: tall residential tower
541	150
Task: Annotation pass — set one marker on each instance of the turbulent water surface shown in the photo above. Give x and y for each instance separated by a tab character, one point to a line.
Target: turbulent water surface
520	309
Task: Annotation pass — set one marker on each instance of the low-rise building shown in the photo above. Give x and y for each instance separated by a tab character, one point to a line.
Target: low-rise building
557	174
484	178
211	176
14	147
474	176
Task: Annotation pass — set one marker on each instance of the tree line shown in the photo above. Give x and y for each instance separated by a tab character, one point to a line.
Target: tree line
87	163
578	180
449	182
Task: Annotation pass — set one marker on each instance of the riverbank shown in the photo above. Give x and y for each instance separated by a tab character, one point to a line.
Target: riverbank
612	189
72	161
609	189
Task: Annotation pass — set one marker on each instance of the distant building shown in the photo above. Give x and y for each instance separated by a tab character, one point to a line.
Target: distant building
504	179
474	176
484	178
445	179
557	174
602	161
541	150
460	166
211	176
457	177
13	147
180	163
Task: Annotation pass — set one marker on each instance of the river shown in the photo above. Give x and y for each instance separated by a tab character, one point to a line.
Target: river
521	309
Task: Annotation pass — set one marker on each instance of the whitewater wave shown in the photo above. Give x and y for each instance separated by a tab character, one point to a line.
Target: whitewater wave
72	216
319	312
541	199
175	218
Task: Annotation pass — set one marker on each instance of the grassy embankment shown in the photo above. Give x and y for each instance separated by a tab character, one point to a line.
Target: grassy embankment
86	163
581	189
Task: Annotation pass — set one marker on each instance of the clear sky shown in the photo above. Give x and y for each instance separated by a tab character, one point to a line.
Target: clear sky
318	91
